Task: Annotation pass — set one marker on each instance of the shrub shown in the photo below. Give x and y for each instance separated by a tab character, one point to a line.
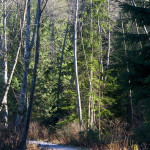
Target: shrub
37	132
142	136
8	137
89	138
68	134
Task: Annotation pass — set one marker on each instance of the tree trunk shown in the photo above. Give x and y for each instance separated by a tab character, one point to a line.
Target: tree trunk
22	143
75	64
52	36
99	92
108	52
25	69
129	100
109	46
91	73
15	61
5	67
1	47
61	60
144	27
88	73
23	92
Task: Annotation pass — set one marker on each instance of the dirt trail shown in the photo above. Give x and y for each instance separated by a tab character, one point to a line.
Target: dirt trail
51	146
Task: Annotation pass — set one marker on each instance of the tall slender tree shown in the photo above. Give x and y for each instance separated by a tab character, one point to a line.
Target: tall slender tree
29	46
75	63
99	92
5	65
22	144
61	60
7	87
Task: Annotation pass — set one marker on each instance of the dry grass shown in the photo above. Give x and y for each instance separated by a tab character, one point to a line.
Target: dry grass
32	147
67	134
70	134
37	132
116	146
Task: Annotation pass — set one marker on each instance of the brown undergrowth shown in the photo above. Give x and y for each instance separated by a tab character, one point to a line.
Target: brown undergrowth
38	132
32	147
116	139
8	137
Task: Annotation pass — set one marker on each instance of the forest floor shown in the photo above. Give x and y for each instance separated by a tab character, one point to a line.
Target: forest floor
40	145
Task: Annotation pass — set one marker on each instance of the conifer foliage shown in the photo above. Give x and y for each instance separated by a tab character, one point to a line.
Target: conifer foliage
89	66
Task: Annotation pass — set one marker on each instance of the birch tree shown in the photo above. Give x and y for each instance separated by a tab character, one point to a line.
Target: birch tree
25	69
75	64
5	66
99	92
108	52
29	46
91	72
22	144
7	87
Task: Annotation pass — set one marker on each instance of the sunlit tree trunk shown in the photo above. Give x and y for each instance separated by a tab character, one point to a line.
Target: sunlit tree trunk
15	60
25	71
108	52
109	42
1	51
99	92
1	46
5	66
91	73
136	26
75	64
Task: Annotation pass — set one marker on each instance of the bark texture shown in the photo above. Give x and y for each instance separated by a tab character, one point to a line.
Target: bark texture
75	64
22	143
5	66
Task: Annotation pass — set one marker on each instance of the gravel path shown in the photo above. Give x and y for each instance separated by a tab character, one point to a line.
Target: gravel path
51	146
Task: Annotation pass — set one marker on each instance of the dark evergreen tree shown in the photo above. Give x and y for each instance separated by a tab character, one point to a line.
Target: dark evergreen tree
135	44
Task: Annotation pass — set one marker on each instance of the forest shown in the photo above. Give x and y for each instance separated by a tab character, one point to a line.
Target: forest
75	72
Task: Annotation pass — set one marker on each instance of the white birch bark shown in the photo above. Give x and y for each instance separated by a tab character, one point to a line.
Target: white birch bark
108	52
5	69
25	69
91	73
109	41
22	143
29	46
15	62
99	92
1	54
75	64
